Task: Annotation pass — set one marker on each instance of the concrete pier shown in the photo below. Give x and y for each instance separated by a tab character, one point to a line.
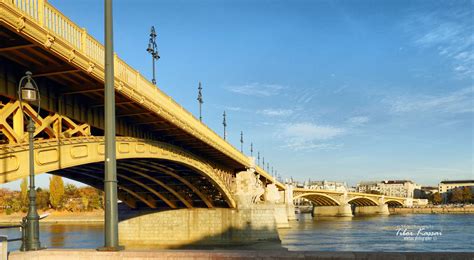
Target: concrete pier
372	210
176	228
332	211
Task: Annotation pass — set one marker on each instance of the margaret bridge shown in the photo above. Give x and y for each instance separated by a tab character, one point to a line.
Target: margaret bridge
166	158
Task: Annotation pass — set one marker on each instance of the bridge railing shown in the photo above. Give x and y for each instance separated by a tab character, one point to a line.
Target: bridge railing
58	25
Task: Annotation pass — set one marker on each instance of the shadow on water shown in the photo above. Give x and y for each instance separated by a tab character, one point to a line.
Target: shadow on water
246	238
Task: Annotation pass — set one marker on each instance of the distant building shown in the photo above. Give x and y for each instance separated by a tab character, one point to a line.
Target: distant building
395	188
446	187
326	185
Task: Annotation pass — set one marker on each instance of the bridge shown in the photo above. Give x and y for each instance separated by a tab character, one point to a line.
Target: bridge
166	158
346	204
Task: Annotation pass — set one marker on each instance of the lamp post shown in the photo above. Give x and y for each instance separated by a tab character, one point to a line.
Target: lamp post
258	158
200	101
224	123
241	141
153	50
251	149
29	92
110	162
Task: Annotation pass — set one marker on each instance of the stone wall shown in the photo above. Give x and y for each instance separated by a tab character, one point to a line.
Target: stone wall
185	227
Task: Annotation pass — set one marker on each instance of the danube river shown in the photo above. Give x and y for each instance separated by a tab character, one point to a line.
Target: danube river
380	233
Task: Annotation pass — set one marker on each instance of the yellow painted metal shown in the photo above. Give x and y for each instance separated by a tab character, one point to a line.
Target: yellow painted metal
56	154
45	25
155	180
365	199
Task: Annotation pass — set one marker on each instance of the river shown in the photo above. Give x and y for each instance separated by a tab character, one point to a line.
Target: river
413	232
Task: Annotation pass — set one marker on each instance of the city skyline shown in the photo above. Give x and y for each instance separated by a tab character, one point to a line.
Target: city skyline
324	90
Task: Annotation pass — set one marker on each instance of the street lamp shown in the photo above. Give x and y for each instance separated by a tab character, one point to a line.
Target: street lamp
241	141
258	158
251	149
199	99
224	123
153	50
29	93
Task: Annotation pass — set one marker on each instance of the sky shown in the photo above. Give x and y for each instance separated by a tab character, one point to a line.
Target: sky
325	90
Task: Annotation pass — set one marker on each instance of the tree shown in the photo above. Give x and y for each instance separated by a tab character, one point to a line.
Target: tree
24	192
456	196
70	190
436	198
56	191
466	194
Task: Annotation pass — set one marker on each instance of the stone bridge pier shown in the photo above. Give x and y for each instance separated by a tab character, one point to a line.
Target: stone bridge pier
260	210
380	209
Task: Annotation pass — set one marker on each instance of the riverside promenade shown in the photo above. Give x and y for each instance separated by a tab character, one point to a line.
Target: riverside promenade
56	254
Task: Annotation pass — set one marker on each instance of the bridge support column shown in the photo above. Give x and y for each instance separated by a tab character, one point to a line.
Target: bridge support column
290	207
332	211
372	210
198	226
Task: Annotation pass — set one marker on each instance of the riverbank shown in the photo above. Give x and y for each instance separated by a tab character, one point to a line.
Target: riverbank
57	217
434	210
53	254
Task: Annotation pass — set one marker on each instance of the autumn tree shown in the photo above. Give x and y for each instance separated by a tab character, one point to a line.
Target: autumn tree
466	194
436	198
456	196
24	192
56	191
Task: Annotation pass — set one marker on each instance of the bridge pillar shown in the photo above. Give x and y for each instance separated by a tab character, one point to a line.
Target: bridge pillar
290	207
372	210
343	210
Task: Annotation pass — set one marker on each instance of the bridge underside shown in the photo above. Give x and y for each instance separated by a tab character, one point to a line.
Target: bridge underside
152	183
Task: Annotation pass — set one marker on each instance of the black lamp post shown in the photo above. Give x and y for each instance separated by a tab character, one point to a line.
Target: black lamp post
258	158
224	123
200	101
153	50
241	141
251	149
29	92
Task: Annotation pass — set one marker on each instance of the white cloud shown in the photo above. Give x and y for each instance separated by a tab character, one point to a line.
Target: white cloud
257	89
460	101
358	120
307	136
276	112
450	32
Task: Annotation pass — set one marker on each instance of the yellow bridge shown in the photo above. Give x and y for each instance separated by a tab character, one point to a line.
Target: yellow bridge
166	158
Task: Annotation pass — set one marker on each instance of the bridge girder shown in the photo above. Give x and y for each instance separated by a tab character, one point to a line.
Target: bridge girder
192	179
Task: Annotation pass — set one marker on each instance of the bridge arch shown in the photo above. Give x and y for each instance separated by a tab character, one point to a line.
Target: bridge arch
151	173
318	199
393	203
363	201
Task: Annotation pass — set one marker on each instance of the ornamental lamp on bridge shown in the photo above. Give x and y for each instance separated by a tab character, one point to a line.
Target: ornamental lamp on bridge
28	92
153	50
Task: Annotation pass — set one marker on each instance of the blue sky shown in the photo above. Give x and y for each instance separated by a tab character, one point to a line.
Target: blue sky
334	90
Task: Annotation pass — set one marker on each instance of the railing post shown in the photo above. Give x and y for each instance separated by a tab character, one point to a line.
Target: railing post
41	4
83	40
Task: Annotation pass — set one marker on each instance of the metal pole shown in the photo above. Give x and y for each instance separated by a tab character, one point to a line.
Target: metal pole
154	79
224	122
110	180
32	228
200	101
241	141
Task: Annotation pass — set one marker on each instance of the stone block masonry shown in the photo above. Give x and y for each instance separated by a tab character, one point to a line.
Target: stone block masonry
185	227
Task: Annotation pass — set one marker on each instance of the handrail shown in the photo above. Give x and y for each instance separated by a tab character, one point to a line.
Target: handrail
58	25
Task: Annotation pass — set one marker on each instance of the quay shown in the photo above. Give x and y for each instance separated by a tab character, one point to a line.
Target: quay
56	254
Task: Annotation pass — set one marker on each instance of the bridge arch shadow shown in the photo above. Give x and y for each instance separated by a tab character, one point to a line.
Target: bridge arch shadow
150	174
153	183
362	201
318	199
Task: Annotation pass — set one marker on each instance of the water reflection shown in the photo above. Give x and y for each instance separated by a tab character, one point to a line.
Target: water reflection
376	233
